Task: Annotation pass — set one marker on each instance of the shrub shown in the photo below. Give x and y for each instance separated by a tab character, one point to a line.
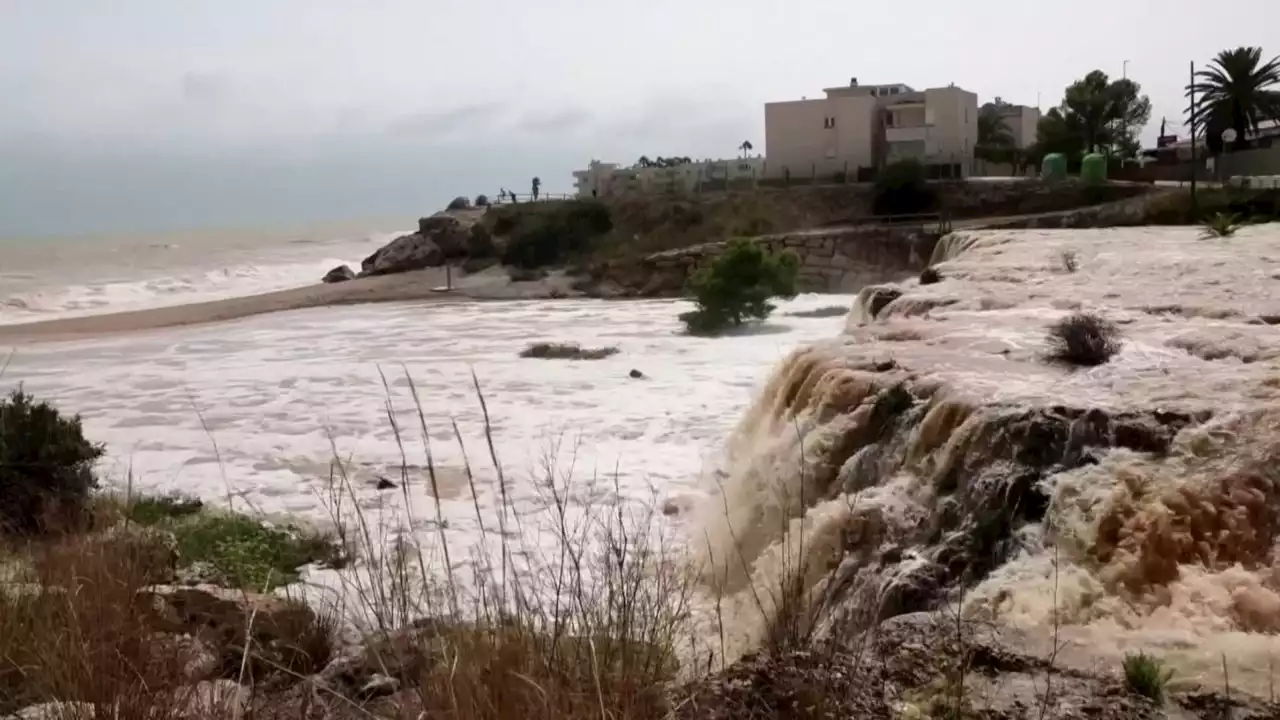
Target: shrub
902	189
566	351
459	203
1220	225
1083	339
553	233
929	276
738	286
1146	676
480	241
46	467
482	200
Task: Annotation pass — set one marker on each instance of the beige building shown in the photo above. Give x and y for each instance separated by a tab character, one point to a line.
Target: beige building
867	126
602	179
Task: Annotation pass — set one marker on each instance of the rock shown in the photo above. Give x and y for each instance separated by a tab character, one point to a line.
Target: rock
566	351
635	374
199	661
286	637
342	273
378	686
404	254
385	484
399	655
447	232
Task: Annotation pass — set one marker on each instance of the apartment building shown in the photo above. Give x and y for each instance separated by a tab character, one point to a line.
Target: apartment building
601	179
866	126
1021	120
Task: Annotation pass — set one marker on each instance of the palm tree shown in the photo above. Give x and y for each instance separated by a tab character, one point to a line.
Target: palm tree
1236	91
995	139
746	147
644	161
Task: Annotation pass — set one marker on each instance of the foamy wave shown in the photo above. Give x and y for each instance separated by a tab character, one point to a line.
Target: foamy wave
107	297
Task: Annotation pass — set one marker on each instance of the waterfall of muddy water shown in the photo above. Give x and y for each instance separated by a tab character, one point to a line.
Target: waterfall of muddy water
933	453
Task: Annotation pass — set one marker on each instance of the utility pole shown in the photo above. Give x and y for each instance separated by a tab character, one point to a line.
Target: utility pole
1191	90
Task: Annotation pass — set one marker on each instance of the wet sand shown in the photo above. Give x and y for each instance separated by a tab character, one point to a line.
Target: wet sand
414	286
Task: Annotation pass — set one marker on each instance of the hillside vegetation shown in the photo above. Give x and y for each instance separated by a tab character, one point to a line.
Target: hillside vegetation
581	231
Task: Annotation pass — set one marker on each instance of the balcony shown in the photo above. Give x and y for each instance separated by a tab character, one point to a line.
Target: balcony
910	133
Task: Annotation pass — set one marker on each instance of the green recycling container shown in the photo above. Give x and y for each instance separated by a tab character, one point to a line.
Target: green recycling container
1093	169
1054	167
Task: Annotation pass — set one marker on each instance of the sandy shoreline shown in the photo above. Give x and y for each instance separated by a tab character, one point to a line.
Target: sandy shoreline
412	286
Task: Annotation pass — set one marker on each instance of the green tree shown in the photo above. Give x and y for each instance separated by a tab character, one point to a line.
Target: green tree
739	285
995	139
902	189
1236	91
1096	114
46	467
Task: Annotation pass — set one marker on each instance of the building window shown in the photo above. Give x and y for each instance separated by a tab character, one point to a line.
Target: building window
828	122
893	91
888	119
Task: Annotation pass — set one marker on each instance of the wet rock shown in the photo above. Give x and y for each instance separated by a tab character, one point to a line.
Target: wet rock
566	351
404	254
385	484
635	374
880	298
342	273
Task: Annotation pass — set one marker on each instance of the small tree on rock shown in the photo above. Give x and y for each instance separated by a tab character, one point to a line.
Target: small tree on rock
738	285
46	467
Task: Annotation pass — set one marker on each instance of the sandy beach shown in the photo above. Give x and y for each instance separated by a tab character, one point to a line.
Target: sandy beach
417	286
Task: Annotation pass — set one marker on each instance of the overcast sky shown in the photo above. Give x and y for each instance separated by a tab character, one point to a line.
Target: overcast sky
131	115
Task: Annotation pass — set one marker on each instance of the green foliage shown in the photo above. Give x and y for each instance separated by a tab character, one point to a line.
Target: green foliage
150	511
248	553
1096	113
46	467
459	203
738	286
1146	675
552	232
482	200
902	189
1238	90
995	139
1220	225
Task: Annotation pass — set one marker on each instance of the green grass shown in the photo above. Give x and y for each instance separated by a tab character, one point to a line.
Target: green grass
244	551
1146	675
249	553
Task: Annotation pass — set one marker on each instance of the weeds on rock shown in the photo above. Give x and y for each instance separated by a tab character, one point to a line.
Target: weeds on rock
1083	339
1146	675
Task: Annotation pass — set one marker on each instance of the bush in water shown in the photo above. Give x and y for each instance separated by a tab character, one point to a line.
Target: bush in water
738	286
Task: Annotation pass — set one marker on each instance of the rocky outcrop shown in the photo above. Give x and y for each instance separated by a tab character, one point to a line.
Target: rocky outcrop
440	238
342	273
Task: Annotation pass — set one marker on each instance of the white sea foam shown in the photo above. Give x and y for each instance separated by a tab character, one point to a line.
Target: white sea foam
249	407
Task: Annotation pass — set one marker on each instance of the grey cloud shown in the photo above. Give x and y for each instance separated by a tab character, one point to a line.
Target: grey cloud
447	121
560	121
205	87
